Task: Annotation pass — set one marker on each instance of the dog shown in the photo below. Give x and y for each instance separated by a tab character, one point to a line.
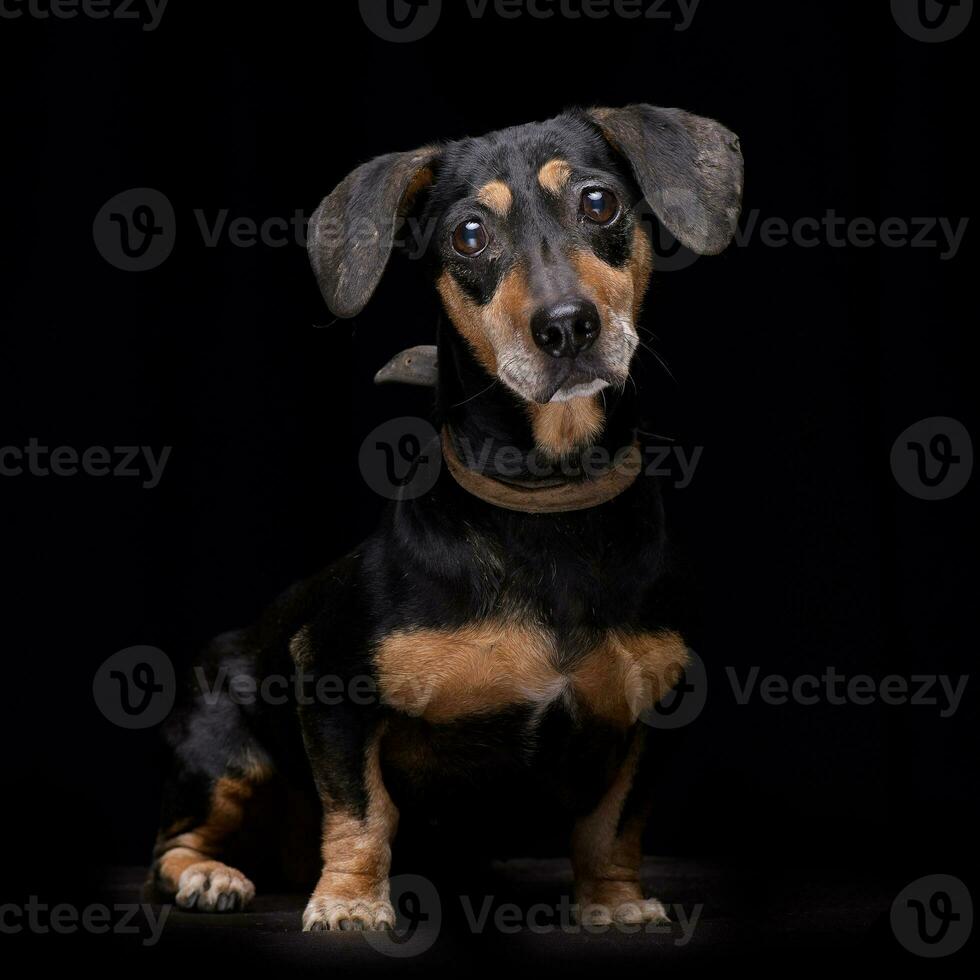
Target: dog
513	621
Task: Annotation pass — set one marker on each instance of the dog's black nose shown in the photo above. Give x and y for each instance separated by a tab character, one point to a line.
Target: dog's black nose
567	328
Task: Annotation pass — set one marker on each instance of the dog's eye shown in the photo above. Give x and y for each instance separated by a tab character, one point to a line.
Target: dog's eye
470	238
599	205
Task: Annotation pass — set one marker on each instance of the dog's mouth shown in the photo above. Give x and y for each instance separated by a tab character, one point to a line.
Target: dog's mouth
577	384
543	379
556	383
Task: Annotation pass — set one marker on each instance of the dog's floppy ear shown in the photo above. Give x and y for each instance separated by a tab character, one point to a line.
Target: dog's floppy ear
353	230
688	167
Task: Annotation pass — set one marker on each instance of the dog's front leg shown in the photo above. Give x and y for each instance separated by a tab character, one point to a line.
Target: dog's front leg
359	822
607	850
359	818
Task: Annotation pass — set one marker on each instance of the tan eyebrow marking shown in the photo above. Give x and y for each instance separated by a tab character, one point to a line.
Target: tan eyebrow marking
554	175
496	196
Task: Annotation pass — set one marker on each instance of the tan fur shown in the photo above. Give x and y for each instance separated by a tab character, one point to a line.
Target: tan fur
445	675
607	850
554	176
560	427
496	196
490	328
179	847
618	291
606	858
499	334
356	847
441	675
423	178
493	327
612	287
641	267
628	672
174	862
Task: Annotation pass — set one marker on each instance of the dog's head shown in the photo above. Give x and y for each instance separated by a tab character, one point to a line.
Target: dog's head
543	258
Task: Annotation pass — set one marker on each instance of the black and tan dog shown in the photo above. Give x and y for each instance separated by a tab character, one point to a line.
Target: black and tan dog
511	622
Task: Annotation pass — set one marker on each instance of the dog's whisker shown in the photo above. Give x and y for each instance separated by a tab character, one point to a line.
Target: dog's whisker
477	395
662	362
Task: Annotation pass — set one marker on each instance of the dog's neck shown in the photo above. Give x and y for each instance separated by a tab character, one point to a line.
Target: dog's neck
517	440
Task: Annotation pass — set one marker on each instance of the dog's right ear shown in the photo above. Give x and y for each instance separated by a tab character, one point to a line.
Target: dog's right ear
352	232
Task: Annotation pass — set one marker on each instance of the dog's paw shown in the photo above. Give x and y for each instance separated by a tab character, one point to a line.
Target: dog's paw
327	913
210	886
634	912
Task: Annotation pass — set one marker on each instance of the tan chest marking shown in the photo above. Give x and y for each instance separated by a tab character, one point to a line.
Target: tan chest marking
448	675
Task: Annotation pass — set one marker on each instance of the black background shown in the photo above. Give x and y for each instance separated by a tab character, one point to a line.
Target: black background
795	368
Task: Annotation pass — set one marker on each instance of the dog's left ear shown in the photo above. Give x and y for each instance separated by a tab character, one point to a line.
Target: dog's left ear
688	167
352	232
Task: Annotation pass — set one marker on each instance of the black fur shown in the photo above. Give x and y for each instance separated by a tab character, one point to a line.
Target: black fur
447	558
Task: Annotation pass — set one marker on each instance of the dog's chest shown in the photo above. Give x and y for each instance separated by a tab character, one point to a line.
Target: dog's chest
486	667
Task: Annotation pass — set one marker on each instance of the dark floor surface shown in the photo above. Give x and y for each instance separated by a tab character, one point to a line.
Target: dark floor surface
781	921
